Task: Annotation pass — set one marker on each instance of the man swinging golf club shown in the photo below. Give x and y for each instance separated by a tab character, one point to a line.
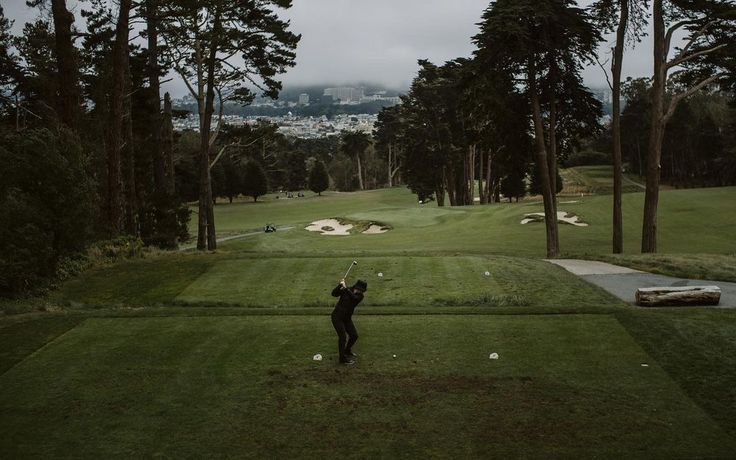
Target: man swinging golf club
342	316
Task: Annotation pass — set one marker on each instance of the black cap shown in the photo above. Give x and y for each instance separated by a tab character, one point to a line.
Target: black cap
360	284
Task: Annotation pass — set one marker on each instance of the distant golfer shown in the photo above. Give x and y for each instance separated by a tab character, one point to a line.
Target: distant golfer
342	318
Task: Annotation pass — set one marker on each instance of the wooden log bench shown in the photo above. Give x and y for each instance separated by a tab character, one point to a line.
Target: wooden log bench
672	296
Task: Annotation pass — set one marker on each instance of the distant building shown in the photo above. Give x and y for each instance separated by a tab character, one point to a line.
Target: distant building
345	95
304	99
378	97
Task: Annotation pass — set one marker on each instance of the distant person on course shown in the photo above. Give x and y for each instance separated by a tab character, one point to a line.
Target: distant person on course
342	318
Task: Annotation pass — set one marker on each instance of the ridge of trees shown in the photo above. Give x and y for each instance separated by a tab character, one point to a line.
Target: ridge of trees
472	124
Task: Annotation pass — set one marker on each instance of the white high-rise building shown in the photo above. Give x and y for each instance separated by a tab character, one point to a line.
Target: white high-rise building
345	95
304	99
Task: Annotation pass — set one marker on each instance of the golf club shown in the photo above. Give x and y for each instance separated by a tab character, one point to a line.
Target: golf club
355	262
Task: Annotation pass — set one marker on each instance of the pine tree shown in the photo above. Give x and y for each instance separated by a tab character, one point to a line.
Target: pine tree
200	37
319	180
255	182
543	43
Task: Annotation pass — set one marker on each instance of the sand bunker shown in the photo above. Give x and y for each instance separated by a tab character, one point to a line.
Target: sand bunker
335	227
562	216
331	227
375	230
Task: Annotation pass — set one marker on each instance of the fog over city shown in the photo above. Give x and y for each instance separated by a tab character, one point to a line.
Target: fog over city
378	41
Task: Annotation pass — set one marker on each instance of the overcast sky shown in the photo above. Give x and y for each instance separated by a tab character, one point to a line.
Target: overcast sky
378	41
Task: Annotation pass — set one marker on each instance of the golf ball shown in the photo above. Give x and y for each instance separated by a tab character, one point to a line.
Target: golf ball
394	356
487	273
380	275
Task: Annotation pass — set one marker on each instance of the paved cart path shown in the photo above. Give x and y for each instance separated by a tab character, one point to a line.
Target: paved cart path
623	282
189	247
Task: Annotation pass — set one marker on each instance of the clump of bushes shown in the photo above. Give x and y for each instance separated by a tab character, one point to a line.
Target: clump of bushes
48	204
100	253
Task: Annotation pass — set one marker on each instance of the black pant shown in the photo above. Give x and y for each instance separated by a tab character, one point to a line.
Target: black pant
344	327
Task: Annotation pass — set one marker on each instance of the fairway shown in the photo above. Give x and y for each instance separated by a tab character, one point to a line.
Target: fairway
689	221
408	281
192	354
246	386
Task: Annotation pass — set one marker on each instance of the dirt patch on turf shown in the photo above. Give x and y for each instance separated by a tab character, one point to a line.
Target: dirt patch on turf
506	410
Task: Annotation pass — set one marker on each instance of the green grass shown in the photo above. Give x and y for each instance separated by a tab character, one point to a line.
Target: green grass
139	282
438	253
690	221
697	266
566	386
18	339
194	355
698	349
597	180
408	281
281	281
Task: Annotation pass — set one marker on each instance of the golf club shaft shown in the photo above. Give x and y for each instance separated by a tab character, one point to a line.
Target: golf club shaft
349	268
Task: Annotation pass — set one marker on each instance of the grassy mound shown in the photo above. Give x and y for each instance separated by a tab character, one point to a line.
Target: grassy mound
289	281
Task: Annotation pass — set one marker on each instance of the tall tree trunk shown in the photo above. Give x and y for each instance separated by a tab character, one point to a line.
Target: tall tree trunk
481	171
449	184
651	197
159	167
552	153
471	179
205	183
360	173
204	171
128	158
390	166
68	75
167	146
489	178
440	189
617	65
550	216
115	204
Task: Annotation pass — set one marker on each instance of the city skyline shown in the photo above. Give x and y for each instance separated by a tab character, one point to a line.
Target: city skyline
344	43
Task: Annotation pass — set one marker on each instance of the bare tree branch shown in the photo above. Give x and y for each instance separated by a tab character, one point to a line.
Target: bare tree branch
19	105
672	30
682	58
605	72
238	144
677	98
179	70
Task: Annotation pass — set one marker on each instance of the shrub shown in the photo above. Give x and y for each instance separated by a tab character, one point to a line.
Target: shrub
48	203
27	255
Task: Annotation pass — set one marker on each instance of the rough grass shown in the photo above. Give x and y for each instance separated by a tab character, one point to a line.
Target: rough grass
565	386
152	281
698	349
715	267
596	180
18	339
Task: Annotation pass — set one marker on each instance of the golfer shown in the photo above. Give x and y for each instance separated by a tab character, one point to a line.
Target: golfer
342	318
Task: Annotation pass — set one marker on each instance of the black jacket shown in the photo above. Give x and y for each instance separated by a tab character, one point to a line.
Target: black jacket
347	303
